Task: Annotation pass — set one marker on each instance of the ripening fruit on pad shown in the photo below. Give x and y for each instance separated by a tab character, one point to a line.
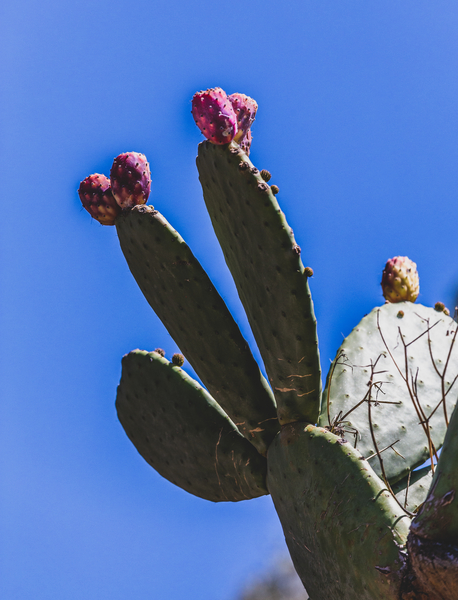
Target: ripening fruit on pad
97	198
130	179
245	108
214	115
400	280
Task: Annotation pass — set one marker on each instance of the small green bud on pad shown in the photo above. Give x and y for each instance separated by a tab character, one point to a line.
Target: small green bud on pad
178	359
440	307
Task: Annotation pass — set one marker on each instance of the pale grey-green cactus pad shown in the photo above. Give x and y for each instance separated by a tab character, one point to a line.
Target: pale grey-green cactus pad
397	353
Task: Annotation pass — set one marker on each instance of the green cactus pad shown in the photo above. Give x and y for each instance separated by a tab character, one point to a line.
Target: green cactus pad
184	434
342	527
394	417
437	520
195	315
417	490
264	260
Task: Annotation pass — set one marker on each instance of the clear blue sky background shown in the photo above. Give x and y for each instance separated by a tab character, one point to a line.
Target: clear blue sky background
358	124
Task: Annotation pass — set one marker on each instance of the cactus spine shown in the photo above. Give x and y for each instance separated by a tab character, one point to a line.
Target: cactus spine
359	520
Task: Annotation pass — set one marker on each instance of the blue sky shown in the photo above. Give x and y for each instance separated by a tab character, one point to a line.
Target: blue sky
358	124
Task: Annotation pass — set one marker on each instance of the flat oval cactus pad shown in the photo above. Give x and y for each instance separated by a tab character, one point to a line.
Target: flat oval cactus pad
183	433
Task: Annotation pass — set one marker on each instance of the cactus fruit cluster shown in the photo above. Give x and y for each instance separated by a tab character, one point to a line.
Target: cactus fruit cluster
222	118
361	519
128	186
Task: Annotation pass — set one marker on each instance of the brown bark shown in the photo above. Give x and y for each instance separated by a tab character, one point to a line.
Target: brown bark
432	571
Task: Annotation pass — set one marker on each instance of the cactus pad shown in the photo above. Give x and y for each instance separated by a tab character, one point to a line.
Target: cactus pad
183	433
264	259
342	527
186	301
402	356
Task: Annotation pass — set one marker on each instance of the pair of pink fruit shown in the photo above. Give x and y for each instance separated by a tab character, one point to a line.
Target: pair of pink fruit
221	118
129	184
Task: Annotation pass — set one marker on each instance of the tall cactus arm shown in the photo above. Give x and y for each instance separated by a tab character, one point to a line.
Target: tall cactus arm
342	527
265	262
184	298
181	431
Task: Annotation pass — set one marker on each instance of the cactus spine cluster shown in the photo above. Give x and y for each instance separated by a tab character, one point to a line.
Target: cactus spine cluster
360	519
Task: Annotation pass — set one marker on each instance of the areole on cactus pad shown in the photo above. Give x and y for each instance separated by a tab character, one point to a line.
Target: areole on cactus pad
359	522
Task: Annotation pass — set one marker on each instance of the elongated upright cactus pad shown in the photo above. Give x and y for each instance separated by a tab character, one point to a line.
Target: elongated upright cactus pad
393	372
186	301
184	434
264	259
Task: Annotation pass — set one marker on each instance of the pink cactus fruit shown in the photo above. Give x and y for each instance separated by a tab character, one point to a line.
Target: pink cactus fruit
214	115
97	198
245	142
245	108
130	179
400	281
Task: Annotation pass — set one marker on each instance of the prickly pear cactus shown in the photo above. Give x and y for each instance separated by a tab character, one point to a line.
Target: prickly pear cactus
360	520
